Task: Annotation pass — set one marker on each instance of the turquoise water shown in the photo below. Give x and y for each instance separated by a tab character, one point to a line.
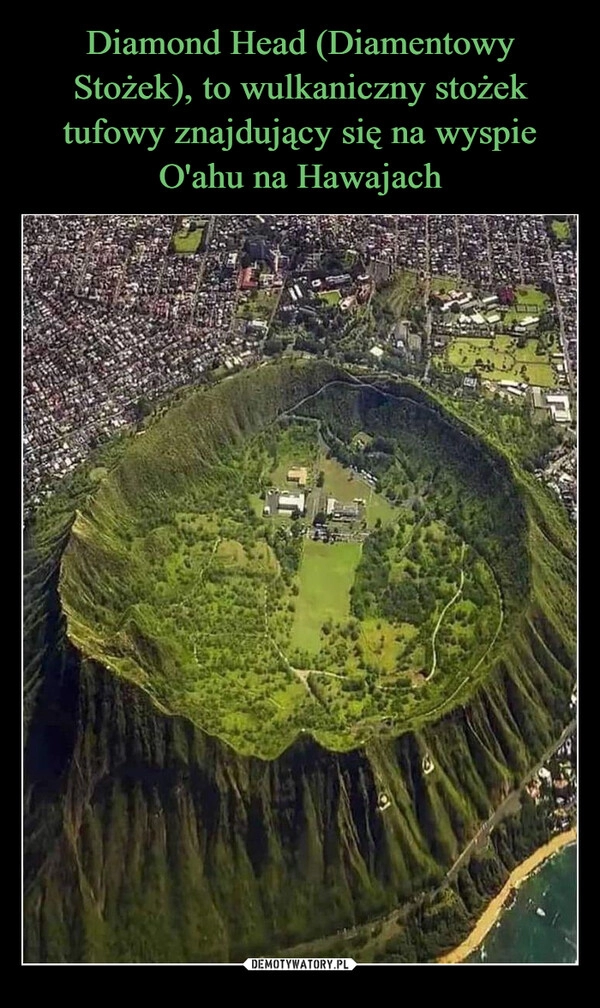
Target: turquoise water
523	936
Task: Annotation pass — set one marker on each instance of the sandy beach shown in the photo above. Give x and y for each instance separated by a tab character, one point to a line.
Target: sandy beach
490	914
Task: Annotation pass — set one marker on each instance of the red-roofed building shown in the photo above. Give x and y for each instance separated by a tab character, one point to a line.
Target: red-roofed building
247	278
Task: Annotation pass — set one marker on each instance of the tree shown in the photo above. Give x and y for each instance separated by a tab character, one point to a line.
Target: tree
506	296
142	407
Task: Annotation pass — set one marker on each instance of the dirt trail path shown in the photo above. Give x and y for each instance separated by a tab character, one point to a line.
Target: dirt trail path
448	605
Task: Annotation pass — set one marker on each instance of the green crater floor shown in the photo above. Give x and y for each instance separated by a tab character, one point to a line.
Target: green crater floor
175	579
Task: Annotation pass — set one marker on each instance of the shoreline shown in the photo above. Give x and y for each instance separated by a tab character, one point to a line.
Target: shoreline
496	905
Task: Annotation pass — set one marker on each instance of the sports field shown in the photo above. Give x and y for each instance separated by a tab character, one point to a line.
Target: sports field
528	301
500	359
325	578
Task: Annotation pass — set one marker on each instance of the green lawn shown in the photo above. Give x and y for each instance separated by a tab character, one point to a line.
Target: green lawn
98	473
330	297
187	241
297	447
325	578
502	360
528	301
561	229
258	305
380	642
403	292
377	507
339	481
442	285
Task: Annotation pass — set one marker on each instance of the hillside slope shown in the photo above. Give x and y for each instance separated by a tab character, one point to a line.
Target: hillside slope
150	840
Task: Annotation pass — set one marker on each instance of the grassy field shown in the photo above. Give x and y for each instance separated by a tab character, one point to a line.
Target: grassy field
330	297
528	301
377	508
561	229
325	578
98	473
279	474
260	305
502	360
187	241
403	292
339	481
442	285
296	446
380	642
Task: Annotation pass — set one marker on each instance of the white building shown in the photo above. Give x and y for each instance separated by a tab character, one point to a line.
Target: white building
291	502
559	407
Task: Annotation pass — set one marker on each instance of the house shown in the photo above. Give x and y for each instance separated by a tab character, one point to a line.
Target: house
298	474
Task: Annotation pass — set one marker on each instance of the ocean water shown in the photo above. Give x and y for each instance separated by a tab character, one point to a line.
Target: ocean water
522	935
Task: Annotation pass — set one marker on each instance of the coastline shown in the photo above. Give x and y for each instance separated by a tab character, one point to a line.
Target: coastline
496	905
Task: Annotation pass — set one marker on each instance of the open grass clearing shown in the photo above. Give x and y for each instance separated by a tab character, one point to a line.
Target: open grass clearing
325	578
187	242
528	301
258	305
379	640
500	359
403	291
332	297
561	229
443	285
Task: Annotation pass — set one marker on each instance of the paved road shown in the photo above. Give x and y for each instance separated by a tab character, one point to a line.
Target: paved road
483	832
505	806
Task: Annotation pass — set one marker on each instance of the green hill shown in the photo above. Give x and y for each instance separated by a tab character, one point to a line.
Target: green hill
189	795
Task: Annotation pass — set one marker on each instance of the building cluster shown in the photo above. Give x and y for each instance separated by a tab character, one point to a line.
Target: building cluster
558	406
555	784
114	316
560	474
463	313
508	250
564	276
344	512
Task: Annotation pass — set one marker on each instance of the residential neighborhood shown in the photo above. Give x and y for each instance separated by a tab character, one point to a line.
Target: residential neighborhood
122	310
